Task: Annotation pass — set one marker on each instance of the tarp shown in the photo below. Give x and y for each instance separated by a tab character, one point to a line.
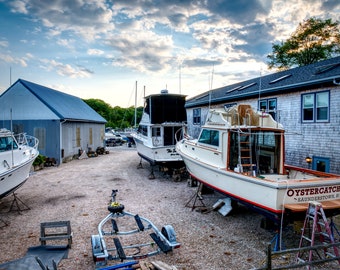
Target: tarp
45	253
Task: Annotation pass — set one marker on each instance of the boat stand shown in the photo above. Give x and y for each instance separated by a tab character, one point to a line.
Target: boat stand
4	223
18	205
197	195
152	175
140	165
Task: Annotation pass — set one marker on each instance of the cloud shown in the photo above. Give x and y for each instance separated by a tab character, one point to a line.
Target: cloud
241	11
66	69
95	52
89	20
201	62
141	50
14	60
3	43
19	7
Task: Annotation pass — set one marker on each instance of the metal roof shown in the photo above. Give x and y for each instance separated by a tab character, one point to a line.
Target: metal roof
65	106
321	73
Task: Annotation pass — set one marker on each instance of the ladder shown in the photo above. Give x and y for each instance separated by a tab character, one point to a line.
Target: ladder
316	231
245	153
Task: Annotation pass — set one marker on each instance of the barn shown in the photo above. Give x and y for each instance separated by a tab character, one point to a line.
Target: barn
64	124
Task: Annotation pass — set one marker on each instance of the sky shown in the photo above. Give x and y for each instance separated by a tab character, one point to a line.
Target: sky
122	50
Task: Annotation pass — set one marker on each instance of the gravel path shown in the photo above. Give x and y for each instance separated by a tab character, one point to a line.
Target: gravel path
80	190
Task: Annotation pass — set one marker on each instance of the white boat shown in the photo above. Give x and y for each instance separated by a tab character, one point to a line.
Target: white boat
161	126
240	153
17	154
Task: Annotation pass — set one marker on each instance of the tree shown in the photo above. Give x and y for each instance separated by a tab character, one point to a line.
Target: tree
313	40
117	117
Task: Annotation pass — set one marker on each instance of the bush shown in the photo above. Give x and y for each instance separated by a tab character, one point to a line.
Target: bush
40	159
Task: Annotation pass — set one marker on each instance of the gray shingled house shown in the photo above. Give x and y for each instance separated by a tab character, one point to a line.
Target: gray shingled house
64	124
306	100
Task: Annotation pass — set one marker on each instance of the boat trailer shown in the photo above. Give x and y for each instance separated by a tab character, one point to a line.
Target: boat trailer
137	243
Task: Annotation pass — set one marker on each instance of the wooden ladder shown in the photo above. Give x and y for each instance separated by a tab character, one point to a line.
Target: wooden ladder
316	231
245	151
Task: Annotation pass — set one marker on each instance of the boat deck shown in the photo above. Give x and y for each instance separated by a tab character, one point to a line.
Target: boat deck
302	207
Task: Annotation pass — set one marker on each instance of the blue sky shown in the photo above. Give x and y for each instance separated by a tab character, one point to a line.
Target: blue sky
99	49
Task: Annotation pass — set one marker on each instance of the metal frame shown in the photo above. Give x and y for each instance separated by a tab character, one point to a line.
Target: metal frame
163	240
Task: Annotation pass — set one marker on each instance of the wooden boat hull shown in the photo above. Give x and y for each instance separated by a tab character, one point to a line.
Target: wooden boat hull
263	195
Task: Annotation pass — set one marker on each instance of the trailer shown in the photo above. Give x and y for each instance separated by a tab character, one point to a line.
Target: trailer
133	237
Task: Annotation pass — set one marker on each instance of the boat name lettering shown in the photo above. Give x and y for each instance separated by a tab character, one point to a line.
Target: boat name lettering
312	191
317	198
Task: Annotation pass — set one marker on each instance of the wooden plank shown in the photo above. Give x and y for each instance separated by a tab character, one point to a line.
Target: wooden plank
327	205
163	266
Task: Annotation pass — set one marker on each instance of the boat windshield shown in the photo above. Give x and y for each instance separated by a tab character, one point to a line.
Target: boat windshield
6	144
209	136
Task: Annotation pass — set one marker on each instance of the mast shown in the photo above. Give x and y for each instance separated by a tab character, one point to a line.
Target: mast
135	106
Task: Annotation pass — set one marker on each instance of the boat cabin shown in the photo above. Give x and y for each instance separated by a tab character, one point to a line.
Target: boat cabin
253	143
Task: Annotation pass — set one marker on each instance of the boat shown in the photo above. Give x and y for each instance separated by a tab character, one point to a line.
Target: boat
17	154
161	126
113	138
240	153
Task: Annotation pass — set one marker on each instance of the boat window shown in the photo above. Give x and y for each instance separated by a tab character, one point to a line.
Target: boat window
143	130
261	148
156	132
209	137
266	139
6	144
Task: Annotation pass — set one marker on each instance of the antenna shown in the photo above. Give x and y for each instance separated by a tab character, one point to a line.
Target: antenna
180	87
212	77
260	86
210	85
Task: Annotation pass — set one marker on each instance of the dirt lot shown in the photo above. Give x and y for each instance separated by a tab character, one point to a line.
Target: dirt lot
79	191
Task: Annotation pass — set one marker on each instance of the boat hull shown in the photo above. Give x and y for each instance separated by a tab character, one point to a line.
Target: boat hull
268	197
14	178
16	161
158	155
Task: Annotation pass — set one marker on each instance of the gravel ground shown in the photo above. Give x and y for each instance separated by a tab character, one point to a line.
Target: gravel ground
80	190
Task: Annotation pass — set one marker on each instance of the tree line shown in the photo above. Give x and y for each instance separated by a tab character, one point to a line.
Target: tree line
118	118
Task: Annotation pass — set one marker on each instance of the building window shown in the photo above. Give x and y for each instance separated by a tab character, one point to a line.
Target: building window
315	107
321	164
268	106
197	116
78	137
40	134
90	136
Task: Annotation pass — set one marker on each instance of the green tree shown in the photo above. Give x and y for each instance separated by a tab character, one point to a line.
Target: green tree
117	117
313	40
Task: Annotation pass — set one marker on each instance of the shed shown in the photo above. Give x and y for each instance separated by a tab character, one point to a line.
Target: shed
64	124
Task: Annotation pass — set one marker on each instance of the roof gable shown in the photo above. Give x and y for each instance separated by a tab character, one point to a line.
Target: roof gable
65	106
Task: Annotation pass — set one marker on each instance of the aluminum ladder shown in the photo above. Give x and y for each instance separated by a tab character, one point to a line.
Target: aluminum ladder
316	231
